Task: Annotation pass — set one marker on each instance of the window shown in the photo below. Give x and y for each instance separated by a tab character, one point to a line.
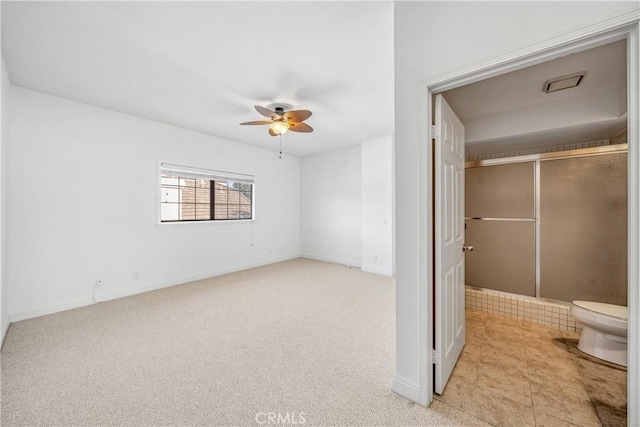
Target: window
193	194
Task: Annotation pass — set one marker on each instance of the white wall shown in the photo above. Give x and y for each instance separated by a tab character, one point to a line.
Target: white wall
82	205
433	38
331	212
4	136
347	206
377	206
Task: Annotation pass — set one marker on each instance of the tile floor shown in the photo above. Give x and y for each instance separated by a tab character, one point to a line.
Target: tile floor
515	373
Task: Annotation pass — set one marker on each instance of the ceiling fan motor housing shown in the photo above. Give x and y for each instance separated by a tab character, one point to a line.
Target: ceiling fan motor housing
280	107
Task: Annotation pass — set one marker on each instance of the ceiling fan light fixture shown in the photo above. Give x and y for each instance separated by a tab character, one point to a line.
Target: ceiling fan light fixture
280	121
279	127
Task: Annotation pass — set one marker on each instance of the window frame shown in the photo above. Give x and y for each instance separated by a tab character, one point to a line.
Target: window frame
212	175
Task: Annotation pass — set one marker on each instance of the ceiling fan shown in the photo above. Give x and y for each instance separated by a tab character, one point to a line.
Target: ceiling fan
281	121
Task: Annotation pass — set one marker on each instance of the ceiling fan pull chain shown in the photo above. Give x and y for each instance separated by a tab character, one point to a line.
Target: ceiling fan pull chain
280	146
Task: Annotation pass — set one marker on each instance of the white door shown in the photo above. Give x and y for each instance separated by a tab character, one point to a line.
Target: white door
449	237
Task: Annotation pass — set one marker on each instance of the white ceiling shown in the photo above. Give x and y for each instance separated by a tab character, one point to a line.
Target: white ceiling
203	65
511	112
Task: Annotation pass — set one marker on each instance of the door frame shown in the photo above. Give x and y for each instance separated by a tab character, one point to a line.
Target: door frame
626	26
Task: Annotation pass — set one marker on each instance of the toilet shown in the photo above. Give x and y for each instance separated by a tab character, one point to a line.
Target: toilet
604	332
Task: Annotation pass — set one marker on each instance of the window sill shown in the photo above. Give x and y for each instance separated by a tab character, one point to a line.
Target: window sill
203	223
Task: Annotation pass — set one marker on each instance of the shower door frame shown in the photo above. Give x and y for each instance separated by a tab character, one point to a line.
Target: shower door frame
622	27
536	159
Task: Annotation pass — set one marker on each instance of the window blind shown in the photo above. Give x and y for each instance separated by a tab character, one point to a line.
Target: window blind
202	173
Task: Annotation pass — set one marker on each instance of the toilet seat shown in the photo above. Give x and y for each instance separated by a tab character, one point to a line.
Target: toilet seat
606	309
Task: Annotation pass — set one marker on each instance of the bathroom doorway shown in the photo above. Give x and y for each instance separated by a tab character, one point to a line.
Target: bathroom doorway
521	350
514	323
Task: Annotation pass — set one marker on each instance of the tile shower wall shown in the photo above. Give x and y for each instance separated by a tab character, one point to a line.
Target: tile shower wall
619	139
555	315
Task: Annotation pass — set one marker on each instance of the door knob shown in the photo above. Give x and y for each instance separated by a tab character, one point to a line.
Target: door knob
466	248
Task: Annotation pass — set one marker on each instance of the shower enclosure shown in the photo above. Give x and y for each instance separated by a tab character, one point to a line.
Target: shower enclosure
551	226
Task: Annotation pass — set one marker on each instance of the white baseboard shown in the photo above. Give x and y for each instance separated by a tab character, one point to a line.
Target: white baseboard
82	301
125	292
406	388
50	308
4	330
377	270
349	262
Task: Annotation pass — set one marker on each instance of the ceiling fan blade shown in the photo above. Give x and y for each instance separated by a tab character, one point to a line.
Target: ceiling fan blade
297	115
272	133
257	122
266	112
300	127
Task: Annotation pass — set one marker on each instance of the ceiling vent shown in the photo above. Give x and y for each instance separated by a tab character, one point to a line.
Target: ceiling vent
563	82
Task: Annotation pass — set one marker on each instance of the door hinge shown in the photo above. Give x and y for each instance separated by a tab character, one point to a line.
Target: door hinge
435	357
433	131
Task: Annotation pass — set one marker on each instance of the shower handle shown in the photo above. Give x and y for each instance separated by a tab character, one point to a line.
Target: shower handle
466	248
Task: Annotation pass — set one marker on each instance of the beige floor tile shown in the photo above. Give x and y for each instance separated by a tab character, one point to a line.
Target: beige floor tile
475	340
475	332
573	410
473	347
513	345
579	356
571	335
547	371
562	344
510	326
606	386
506	386
607	394
602	371
471	353
479	325
546	420
502	411
549	345
459	394
519	373
575	389
545	340
475	315
510	334
611	417
496	319
466	369
503	362
534	330
505	339
503	352
549	356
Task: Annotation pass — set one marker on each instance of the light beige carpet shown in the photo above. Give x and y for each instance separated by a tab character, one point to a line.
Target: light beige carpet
299	340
